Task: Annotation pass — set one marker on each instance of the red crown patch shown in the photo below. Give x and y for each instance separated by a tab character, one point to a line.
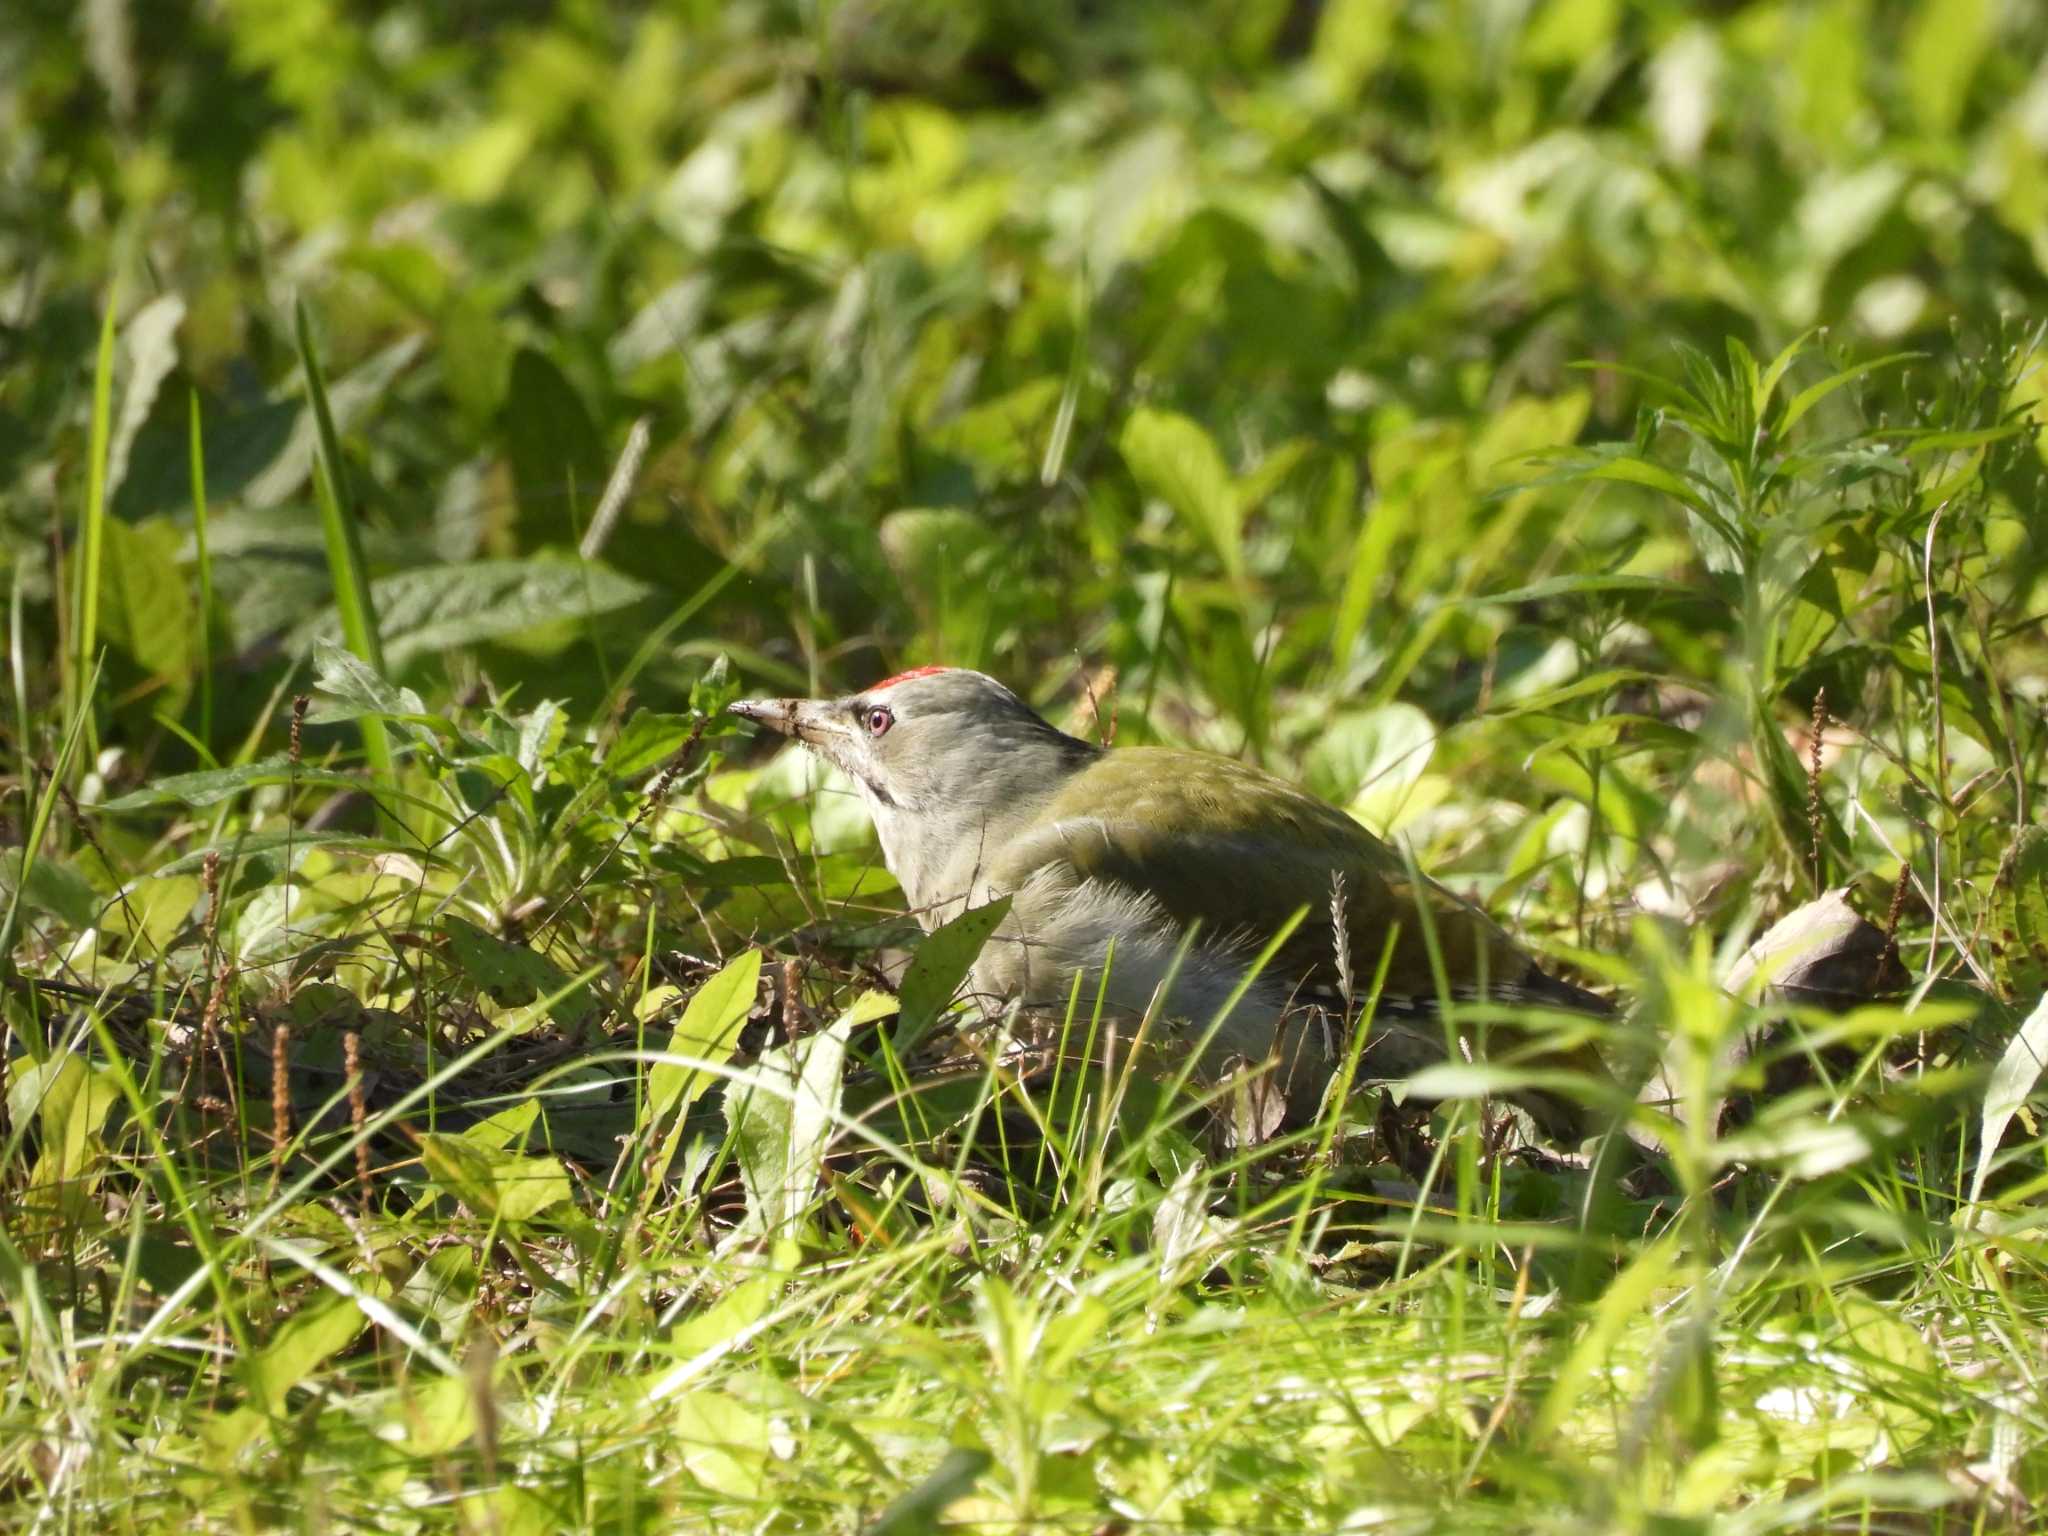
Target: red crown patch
904	677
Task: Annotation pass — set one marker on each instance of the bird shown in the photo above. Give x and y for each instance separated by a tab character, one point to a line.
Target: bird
1157	875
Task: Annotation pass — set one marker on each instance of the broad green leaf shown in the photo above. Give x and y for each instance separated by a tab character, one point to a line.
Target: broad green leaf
870	1006
1171	457
735	1312
146	608
1001	437
724	1441
349	688
1641	731
782	1120
941	963
1270	474
508	1127
298	840
1619	1307
438	1413
2019	1069
1803	1146
526	1186
269	452
707	1033
53	887
515	975
1655	477
439	607
1374	756
158	906
645	742
493	1181
558	460
213	785
150	344
1896	1366
2019	916
67	1099
1352	38
302	1344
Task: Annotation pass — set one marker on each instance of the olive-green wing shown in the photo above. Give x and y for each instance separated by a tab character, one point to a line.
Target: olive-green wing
1238	851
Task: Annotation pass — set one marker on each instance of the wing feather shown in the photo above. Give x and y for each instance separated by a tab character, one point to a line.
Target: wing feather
1220	843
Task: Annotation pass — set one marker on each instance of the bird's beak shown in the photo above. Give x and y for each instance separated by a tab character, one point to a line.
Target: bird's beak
801	718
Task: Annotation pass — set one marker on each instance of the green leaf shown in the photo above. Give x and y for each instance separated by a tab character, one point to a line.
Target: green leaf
258	844
150	341
1767	386
1634	471
515	975
352	689
941	963
782	1122
1803	1147
1376	752
558	461
302	1344
708	1032
51	887
85	560
1626	1298
1595	683
742	872
68	1099
1172	458
734	1313
495	1182
1943	47
2019	916
1581	586
341	537
724	1442
439	1414
2012	1080
1813	394
509	1126
146	609
918	1511
646	741
213	785
439	607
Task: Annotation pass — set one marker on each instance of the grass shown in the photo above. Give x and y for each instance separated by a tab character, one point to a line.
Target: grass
1591	445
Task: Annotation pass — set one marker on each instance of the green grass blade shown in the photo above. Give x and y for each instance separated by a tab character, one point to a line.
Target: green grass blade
205	580
345	561
85	611
38	829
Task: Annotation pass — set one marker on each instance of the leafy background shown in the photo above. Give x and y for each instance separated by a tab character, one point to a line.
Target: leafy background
1214	373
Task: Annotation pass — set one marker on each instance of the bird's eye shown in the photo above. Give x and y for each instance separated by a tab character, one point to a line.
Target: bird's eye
878	720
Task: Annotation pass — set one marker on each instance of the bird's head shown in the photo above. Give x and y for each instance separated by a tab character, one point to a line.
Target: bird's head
939	754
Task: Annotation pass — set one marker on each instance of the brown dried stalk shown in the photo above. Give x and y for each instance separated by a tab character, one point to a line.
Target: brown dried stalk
1813	804
358	1114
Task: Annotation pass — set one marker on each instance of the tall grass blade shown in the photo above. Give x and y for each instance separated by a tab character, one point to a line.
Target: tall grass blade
38	829
85	608
345	561
205	580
